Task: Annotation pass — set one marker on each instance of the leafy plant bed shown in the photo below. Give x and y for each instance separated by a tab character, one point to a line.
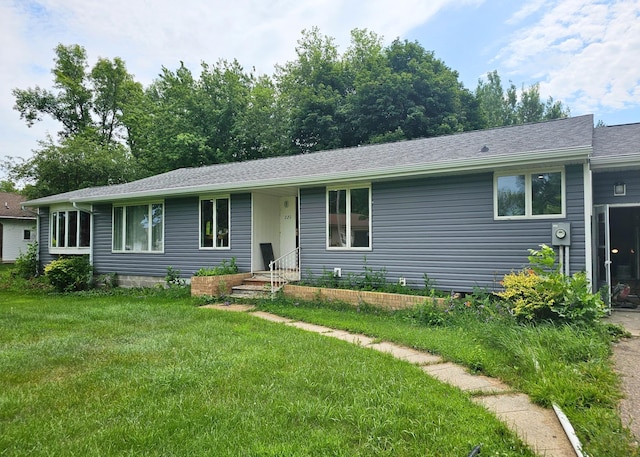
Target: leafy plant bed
389	301
215	286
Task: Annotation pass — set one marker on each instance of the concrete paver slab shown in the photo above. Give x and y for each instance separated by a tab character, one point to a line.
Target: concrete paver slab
271	317
537	426
230	307
310	327
406	354
354	338
457	376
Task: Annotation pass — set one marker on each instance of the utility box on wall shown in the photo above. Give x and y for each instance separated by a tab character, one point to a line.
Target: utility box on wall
561	234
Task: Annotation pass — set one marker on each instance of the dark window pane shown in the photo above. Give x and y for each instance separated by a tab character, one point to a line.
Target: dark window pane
118	236
511	195
337	218
62	229
546	191
360	218
206	224
85	229
157	227
222	221
73	229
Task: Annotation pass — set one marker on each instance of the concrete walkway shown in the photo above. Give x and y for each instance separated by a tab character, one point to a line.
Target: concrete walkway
536	426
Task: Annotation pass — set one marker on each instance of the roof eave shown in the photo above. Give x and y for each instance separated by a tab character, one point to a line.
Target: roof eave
615	162
520	159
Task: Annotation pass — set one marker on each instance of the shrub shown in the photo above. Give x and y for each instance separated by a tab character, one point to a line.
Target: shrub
26	266
68	274
543	292
172	278
225	268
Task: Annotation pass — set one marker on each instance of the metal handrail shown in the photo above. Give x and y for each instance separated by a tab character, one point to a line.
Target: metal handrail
284	269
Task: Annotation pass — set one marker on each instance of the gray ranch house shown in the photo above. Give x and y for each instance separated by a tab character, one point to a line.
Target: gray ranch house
462	209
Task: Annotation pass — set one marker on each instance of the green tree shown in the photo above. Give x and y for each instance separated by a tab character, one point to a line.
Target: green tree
7	185
79	161
503	108
91	106
371	93
223	115
312	90
71	105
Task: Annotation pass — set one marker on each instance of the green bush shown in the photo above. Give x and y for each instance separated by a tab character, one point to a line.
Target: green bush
26	266
226	267
543	292
68	274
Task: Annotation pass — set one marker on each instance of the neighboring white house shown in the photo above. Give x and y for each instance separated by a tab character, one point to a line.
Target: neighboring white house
17	227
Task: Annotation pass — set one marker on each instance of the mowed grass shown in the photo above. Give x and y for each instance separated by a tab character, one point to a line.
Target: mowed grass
92	375
570	366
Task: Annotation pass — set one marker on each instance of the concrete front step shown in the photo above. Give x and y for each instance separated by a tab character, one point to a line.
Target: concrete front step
250	290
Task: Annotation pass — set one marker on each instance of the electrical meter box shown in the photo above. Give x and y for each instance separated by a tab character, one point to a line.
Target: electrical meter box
561	234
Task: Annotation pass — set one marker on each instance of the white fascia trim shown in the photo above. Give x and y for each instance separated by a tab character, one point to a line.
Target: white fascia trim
603	163
20	218
520	159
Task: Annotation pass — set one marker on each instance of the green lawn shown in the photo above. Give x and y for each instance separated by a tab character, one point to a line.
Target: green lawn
567	365
136	374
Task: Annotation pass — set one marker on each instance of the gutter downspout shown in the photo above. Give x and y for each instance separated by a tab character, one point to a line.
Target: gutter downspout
588	225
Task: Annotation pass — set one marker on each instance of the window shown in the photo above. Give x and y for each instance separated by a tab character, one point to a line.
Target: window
138	228
348	220
539	194
214	222
26	235
69	230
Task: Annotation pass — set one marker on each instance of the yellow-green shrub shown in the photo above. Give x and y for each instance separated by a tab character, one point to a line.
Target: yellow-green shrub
68	274
543	292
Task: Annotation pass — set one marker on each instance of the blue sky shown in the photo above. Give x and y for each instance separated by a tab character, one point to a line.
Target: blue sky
585	53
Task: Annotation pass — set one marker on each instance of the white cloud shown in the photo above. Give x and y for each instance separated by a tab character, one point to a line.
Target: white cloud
583	52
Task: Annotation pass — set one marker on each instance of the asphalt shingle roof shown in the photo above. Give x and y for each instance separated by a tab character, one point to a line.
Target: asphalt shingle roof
11	207
616	140
460	148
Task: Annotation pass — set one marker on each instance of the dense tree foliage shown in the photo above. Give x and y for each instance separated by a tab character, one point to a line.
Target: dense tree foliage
370	94
112	129
501	108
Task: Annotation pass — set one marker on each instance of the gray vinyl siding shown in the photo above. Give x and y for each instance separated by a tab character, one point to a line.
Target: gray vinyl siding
603	187
181	241
43	242
443	227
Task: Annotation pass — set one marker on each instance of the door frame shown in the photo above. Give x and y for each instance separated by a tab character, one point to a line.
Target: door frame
605	245
602	249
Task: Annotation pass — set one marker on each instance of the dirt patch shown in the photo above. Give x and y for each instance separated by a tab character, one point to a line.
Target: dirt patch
626	355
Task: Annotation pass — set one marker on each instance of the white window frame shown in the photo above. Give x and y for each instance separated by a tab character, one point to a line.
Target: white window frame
149	206
66	249
348	189
528	196
214	222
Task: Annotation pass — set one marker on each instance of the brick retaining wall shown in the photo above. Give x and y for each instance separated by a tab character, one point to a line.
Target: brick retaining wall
355	297
211	285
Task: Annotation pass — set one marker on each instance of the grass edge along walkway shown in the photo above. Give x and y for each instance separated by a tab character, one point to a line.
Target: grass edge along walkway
538	427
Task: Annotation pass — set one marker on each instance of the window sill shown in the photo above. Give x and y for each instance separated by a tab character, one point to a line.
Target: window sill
70	251
530	218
